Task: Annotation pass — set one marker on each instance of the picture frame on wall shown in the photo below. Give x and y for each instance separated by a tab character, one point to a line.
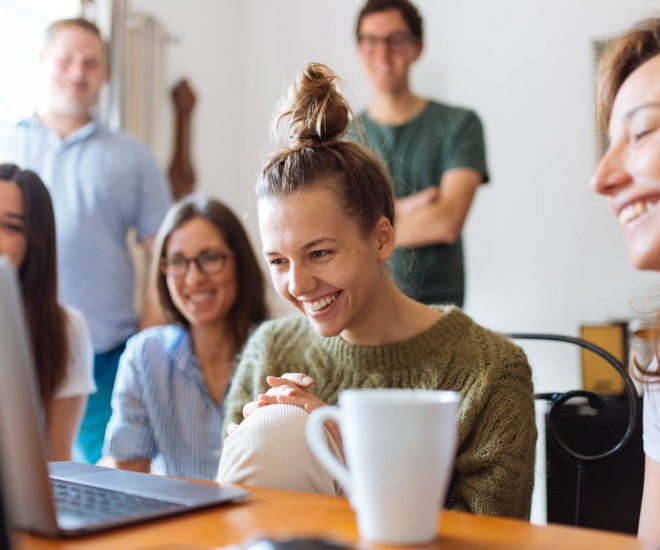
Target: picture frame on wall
598	46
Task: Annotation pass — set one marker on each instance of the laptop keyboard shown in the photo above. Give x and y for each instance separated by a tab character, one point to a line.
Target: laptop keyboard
104	504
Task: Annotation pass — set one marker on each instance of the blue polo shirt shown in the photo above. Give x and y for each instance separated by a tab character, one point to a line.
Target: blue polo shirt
102	185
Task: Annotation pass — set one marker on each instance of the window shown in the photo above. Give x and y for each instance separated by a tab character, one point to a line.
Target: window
23	26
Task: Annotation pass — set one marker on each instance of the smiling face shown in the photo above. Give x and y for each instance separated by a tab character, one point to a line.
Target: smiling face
386	65
13	237
204	300
322	263
75	71
629	172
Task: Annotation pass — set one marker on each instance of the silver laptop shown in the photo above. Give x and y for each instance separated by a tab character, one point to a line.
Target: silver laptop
69	498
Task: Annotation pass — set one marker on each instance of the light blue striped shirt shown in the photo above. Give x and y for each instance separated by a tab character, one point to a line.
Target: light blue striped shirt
102	184
161	408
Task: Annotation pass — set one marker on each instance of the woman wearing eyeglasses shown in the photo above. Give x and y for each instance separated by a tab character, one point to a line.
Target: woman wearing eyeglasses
168	398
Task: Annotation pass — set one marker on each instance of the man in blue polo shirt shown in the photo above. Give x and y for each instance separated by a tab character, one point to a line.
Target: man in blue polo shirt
102	184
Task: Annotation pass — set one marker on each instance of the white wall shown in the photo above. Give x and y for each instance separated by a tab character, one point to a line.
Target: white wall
543	252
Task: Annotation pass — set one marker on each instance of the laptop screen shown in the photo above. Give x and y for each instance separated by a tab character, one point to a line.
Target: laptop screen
22	451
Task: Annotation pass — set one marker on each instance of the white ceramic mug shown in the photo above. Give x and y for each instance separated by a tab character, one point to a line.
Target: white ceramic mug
399	446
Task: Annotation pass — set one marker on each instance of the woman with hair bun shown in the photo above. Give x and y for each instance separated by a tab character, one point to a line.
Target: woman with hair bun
326	218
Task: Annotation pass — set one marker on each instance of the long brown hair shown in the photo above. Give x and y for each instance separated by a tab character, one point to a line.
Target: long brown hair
47	321
250	307
621	58
311	129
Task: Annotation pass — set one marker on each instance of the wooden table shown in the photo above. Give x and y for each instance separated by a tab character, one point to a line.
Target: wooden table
274	513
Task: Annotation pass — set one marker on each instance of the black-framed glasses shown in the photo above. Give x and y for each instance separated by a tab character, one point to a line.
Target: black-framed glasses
209	263
396	41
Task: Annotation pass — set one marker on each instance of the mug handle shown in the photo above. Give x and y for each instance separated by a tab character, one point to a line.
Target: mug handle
316	439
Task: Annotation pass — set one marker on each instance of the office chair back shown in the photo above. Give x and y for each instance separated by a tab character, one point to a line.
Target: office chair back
556	400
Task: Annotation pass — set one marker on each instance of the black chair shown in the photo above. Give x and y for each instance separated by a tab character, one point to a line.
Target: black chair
580	459
5	535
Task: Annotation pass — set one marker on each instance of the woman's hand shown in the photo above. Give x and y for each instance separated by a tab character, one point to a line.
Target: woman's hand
290	388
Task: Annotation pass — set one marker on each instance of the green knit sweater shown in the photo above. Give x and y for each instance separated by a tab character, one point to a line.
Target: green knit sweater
494	470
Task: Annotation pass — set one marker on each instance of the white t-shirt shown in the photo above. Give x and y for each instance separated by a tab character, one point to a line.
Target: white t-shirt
652	417
79	378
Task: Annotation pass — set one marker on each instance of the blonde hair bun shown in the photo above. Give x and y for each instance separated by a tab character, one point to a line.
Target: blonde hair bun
314	113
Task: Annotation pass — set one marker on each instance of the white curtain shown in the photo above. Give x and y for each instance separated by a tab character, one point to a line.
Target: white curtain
134	99
143	88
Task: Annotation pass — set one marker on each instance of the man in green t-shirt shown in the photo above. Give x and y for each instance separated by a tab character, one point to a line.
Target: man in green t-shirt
434	152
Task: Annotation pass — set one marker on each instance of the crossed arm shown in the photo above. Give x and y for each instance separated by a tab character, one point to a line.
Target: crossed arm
436	215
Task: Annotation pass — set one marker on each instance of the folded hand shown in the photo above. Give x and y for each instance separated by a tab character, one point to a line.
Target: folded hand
290	388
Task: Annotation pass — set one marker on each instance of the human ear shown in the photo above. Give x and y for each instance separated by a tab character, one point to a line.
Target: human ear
419	48
385	238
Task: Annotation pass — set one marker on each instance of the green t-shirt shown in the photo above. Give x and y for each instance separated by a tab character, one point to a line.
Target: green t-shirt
417	154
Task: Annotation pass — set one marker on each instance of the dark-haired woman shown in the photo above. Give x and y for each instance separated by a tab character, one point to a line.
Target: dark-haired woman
629	176
326	217
60	340
168	398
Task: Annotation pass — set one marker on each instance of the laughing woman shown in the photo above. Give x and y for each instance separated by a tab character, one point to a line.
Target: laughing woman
168	398
629	176
326	217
